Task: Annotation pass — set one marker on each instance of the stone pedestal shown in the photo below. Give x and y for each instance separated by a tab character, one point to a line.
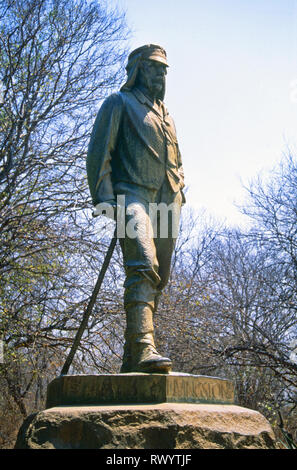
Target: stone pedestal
144	411
138	388
159	426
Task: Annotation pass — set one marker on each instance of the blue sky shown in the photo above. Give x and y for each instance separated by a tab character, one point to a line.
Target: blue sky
231	88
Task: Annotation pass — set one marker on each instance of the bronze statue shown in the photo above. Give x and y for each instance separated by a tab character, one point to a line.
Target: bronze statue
134	154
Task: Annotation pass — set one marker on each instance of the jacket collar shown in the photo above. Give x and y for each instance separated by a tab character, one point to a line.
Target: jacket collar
160	110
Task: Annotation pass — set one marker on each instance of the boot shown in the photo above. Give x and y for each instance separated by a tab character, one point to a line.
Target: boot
147	357
140	354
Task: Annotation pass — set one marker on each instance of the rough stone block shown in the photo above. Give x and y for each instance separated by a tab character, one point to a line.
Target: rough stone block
159	426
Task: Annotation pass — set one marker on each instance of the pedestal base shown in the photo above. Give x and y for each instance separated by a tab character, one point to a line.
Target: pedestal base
160	426
143	411
138	388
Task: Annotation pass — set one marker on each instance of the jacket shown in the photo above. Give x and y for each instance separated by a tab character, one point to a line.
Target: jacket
134	141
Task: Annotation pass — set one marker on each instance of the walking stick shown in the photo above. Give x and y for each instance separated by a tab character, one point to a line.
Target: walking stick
90	306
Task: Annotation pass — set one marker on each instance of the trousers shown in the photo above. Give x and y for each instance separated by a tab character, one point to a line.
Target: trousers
151	226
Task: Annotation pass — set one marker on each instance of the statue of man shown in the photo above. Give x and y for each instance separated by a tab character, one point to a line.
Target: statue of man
133	153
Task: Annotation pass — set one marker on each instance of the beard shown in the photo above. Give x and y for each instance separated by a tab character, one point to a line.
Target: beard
156	86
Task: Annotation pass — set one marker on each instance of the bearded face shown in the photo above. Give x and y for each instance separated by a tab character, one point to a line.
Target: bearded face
151	77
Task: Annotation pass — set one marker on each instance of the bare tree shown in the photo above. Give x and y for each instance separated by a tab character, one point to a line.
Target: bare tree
230	308
58	60
272	205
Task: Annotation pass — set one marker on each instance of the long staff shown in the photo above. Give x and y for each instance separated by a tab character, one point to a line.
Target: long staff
90	306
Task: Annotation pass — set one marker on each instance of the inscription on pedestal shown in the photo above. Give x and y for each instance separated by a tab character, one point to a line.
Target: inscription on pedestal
199	389
138	388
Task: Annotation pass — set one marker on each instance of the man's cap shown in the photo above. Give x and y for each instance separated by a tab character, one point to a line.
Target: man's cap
148	52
